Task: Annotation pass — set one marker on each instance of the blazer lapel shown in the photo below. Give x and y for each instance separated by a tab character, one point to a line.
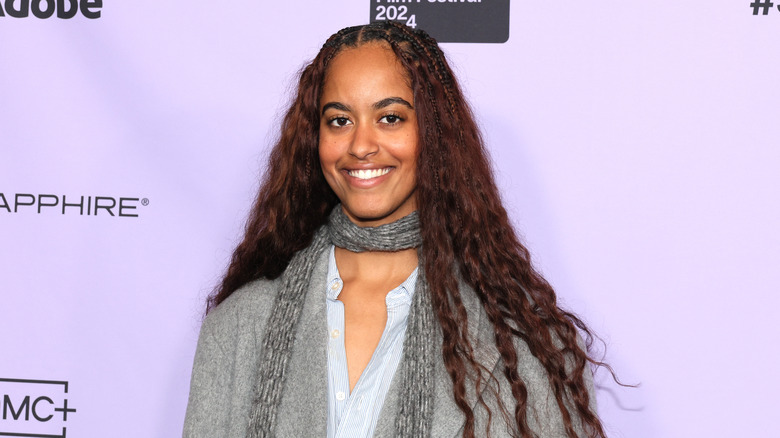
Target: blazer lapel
304	407
447	417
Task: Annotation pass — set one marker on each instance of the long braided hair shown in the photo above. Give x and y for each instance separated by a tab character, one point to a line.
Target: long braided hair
465	230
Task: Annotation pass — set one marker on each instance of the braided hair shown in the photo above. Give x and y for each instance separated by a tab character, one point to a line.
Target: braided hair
465	229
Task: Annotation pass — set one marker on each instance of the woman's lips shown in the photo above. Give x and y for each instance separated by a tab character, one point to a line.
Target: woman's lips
365	174
367	178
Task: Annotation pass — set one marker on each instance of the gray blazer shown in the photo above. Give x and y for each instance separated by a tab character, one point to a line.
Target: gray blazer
231	336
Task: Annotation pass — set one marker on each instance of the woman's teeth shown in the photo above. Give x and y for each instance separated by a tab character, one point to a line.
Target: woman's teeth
368	173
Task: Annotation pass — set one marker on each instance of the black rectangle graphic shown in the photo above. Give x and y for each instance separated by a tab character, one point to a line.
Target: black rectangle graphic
449	21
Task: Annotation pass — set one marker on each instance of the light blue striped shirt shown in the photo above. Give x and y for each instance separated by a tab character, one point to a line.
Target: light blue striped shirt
355	415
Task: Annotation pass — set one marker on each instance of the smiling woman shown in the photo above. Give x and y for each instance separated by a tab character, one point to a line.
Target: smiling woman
368	135
380	289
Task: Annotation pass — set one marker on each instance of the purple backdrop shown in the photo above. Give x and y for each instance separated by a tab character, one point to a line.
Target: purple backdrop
636	144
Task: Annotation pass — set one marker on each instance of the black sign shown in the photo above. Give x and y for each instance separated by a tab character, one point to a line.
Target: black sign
449	21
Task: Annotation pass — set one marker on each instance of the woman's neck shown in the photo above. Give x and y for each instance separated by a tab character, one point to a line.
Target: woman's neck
376	266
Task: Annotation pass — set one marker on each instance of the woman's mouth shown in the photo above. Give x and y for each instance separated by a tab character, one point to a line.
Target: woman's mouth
368	173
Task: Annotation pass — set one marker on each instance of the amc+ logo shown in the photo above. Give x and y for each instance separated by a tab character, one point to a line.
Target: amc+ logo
34	408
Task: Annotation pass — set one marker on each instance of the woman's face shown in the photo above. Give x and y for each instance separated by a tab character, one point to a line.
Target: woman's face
368	135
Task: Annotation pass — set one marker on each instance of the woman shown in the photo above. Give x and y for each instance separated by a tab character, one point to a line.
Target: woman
380	289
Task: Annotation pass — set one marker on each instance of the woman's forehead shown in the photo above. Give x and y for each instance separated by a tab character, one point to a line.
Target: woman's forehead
369	69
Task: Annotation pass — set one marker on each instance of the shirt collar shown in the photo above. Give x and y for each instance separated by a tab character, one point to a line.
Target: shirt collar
334	279
399	296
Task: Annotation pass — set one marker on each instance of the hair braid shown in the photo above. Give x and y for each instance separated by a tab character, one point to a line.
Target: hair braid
422	42
457	350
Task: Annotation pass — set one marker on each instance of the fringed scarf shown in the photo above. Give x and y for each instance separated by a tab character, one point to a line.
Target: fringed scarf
415	411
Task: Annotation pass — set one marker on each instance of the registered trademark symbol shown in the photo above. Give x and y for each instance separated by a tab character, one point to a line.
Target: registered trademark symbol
145	201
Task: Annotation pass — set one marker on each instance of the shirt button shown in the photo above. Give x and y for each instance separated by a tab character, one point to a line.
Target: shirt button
340	396
335	285
334	334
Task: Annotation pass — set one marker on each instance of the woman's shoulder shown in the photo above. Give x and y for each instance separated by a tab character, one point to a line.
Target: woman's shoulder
246	306
224	361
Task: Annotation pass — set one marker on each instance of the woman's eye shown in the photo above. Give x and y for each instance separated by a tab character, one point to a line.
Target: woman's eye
391	119
339	121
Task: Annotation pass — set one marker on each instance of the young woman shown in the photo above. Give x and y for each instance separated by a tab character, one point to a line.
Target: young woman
380	289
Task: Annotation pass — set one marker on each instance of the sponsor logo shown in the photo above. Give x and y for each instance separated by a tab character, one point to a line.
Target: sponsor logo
34	408
449	21
72	205
51	8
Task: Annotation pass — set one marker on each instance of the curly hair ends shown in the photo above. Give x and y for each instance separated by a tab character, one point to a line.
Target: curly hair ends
465	229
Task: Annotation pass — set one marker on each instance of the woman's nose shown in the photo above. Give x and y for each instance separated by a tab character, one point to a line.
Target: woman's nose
365	142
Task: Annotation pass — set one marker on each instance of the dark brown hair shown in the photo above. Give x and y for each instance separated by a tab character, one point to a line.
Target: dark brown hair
465	230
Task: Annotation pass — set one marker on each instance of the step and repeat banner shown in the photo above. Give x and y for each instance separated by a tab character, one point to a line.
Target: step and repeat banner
636	144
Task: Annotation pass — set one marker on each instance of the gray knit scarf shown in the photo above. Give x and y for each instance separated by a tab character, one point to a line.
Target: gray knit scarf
416	371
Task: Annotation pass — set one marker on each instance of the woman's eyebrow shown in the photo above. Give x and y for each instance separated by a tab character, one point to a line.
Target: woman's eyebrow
391	100
337	105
